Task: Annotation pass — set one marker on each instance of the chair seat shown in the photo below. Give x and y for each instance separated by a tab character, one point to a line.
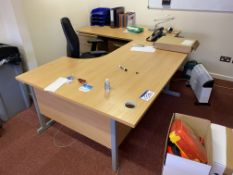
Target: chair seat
93	54
87	55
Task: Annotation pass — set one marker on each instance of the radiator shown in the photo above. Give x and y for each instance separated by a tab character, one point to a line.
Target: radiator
201	83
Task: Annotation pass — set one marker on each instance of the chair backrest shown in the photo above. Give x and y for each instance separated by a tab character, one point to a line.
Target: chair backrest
73	47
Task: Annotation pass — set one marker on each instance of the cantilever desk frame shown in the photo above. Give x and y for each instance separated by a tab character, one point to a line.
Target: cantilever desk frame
103	119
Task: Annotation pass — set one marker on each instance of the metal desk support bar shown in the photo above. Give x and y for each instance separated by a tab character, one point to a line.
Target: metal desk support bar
43	124
114	148
167	91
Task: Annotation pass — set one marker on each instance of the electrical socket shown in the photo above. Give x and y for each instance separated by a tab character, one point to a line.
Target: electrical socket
166	2
225	59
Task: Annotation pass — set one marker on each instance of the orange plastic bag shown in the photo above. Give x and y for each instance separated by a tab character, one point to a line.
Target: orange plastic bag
188	143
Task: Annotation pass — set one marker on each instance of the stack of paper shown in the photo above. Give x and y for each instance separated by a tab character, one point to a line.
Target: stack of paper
143	49
56	84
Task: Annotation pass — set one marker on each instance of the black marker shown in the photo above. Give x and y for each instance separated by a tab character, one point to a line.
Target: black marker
123	68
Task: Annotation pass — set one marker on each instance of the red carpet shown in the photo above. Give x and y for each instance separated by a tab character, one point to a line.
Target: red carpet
23	152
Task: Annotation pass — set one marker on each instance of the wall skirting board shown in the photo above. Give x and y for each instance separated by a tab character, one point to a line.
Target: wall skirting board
222	77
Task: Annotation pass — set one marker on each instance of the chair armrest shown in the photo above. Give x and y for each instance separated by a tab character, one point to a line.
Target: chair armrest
95	40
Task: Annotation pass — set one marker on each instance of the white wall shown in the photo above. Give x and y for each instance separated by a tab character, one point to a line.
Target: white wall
43	19
10	33
213	30
14	30
3	33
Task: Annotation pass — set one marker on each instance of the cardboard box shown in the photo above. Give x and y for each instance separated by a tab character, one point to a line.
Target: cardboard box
222	146
176	44
219	146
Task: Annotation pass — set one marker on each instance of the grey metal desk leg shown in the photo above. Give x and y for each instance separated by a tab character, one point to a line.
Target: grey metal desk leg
43	123
167	91
114	145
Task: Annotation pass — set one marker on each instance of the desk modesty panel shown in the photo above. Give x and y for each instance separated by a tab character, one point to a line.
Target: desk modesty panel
74	116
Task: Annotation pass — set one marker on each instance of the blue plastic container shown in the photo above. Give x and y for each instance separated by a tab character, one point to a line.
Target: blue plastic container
100	16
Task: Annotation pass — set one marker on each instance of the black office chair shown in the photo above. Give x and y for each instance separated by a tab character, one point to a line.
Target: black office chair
73	46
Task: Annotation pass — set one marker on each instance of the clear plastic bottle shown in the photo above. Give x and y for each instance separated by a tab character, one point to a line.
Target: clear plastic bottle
107	86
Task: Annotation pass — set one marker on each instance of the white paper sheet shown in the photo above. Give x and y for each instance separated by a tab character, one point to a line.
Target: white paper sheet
150	49
56	84
187	42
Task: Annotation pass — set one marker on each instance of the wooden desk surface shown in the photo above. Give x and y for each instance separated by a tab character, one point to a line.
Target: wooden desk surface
117	33
155	70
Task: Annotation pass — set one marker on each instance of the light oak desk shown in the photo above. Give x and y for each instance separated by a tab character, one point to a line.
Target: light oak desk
100	117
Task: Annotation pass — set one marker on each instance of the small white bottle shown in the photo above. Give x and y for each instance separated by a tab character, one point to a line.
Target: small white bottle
107	86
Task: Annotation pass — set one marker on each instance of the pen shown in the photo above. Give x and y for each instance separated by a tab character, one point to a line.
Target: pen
139	45
123	68
82	81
